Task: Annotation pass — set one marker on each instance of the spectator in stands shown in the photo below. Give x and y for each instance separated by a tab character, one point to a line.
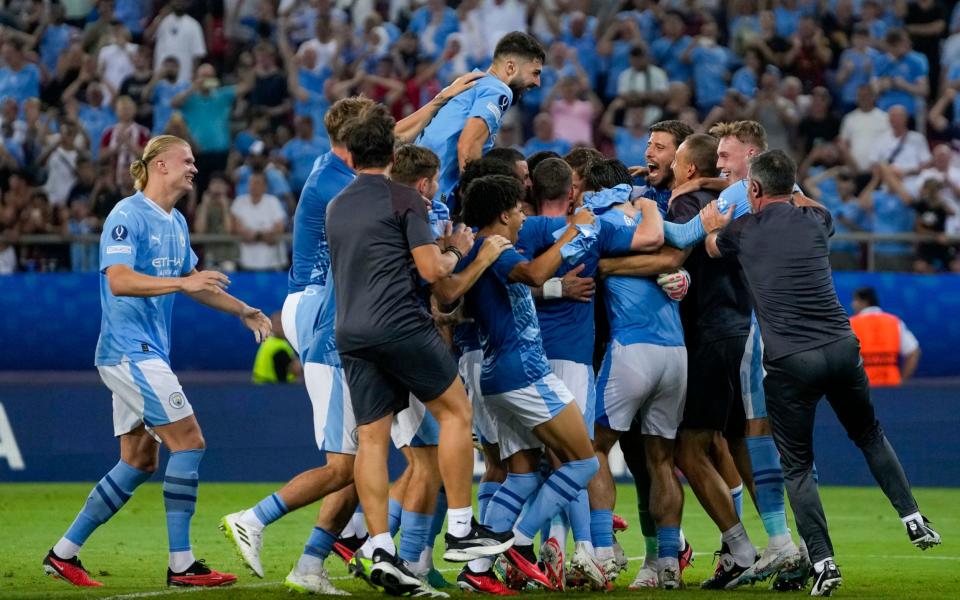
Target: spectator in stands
269	92
900	75
300	153
106	192
259	219
614	47
871	17
19	78
926	22
93	111
669	49
543	139
123	142
861	129
432	23
60	160
889	212
323	46
177	34
116	55
644	84
890	351
745	78
809	54
905	151
496	18
710	65
95	29
820	126
842	201
630	140
933	210
276	362
573	107
306	89
214	216
54	37
856	68
79	222
777	114
771	46
138	86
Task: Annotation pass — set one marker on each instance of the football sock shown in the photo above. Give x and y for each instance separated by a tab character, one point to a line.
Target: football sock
768	478
180	484
485	492
557	491
105	499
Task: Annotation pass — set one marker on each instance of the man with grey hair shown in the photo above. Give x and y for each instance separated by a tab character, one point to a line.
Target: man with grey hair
809	351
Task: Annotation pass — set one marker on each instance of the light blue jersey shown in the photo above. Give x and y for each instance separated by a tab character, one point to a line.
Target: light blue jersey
311	254
638	310
736	195
149	240
489	99
567	326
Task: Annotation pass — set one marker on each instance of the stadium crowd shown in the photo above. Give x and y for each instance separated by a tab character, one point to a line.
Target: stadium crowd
863	92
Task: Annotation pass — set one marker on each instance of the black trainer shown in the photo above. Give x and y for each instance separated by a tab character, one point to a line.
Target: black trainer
793	580
479	543
727	572
389	572
827	580
921	534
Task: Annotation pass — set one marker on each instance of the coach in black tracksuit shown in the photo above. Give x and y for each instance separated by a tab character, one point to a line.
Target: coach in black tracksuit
809	348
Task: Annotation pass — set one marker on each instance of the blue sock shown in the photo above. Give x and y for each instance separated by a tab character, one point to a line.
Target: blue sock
394	509
578	513
414	530
319	543
105	499
180	496
439	516
560	489
601	528
485	492
768	477
506	504
270	509
668	542
737	495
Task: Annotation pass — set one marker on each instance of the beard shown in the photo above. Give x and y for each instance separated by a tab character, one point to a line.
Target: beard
516	86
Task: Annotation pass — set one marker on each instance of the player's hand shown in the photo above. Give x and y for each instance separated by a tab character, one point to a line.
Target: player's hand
453	318
637	171
584	217
460	84
213	282
257	322
492	248
578	288
687	187
461	237
675	285
713	219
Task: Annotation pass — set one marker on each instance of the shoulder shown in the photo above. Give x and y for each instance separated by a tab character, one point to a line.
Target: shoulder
405	198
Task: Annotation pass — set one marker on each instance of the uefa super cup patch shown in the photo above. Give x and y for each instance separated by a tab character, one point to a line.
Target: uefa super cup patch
176	400
119	233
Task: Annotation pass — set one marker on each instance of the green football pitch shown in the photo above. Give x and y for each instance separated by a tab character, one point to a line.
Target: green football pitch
128	554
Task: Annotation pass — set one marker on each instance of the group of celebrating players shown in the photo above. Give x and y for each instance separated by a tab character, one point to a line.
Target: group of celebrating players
384	292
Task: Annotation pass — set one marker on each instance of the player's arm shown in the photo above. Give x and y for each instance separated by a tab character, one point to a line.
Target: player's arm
434	264
665	260
217	298
648	236
408	128
712	248
451	288
124	281
471	141
537	271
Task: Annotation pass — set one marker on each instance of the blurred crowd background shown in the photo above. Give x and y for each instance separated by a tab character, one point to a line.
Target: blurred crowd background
863	92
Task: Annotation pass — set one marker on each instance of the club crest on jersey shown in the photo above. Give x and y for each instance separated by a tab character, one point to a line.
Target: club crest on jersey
177	400
183	241
119	233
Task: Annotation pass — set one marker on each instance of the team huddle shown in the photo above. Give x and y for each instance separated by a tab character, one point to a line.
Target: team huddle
444	293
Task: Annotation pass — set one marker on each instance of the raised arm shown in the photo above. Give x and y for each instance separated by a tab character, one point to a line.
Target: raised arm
537	271
648	235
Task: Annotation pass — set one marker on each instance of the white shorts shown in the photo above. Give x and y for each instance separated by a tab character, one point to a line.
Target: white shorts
579	380
645	380
300	318
483	424
518	412
334	426
752	374
414	426
145	392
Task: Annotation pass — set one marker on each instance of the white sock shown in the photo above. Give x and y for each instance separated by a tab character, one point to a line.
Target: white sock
588	546
181	561
366	550
821	564
603	552
558	532
416	568
743	551
66	549
670	562
458	521
250	519
426	559
779	541
309	564
359	524
915	516
384	542
349	530
480	565
519	539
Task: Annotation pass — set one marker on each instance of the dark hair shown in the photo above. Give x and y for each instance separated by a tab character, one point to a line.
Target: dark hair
637	51
510	155
488	197
412	163
481	167
895	36
369	138
678	129
579	157
703	153
552	179
775	171
519	44
605	173
538	157
867	295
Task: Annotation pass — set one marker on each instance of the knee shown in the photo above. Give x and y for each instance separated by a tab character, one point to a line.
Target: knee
495	472
147	464
341	470
869	436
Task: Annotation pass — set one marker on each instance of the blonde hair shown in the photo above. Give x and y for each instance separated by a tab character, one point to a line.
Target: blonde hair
340	113
747	132
155	147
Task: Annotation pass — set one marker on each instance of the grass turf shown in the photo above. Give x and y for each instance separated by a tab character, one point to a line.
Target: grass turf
128	554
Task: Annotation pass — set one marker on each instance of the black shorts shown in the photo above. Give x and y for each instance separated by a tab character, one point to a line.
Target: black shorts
714	397
381	378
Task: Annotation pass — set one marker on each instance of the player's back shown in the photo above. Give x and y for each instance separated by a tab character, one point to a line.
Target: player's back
144	237
311	253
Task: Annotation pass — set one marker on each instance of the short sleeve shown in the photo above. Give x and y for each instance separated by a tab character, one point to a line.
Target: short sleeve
728	239
505	264
490	105
416	225
683	209
120	239
824	217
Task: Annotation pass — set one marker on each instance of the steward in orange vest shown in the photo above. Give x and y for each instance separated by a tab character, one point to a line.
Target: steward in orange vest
884	341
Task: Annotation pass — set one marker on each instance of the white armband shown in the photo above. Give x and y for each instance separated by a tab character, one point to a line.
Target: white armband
553	289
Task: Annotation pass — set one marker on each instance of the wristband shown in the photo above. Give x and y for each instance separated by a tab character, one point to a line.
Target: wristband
456	252
553	289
